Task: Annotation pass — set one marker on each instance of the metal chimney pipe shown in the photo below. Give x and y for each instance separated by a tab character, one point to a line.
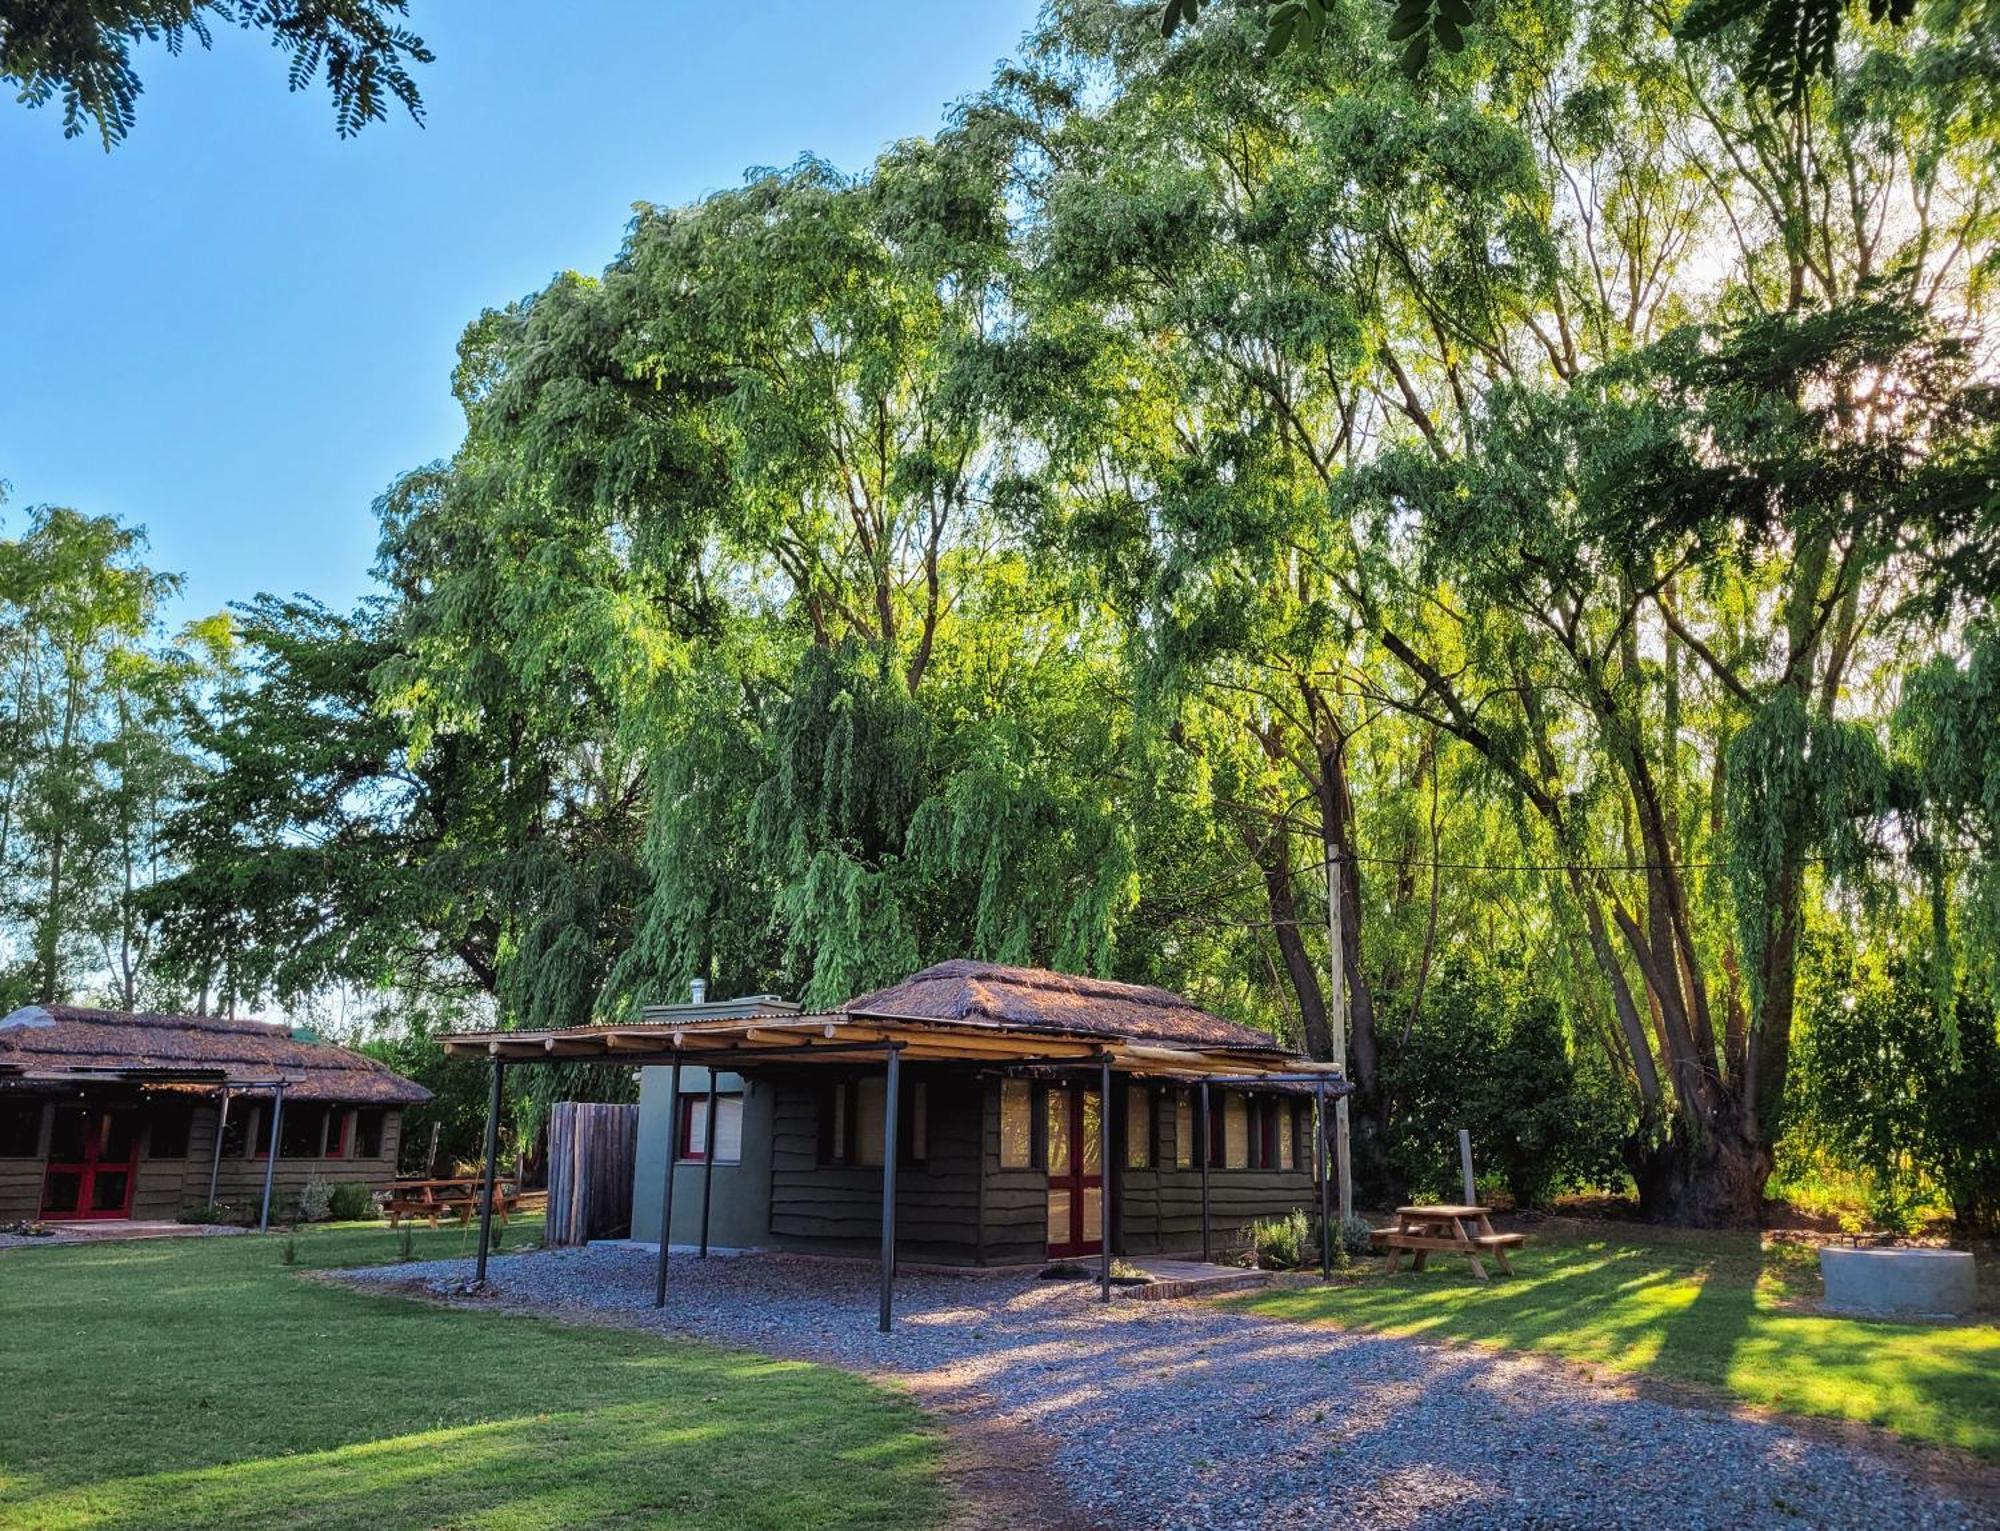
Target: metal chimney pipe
698	991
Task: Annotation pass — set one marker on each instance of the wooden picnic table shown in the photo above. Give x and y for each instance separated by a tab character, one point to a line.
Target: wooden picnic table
434	1200
1453	1229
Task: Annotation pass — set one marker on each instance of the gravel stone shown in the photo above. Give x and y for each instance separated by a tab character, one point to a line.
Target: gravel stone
1181	1414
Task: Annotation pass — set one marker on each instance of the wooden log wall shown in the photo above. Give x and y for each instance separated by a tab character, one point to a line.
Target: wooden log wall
837	1208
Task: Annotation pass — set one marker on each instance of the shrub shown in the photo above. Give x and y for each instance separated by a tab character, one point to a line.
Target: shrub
1284	1243
1491	1056
1354	1234
1291	1242
352	1202
315	1200
406	1244
288	1252
203	1215
1879	1084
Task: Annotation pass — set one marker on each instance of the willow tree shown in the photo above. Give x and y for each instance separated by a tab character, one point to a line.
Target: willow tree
738	501
1747	476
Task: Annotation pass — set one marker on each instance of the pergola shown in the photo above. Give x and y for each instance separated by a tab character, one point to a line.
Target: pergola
204	1081
847	1037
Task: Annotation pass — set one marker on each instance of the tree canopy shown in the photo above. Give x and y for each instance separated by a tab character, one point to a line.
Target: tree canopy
1548	504
79	52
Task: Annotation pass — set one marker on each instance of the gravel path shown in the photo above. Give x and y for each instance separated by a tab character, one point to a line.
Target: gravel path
1180	1414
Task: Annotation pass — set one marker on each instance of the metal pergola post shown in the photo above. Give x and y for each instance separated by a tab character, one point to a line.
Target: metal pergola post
708	1157
1104	1163
215	1163
1319	1169
492	1157
1202	1149
271	1154
667	1183
884	1321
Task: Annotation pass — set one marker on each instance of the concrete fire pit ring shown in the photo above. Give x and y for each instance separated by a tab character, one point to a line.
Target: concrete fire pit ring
1930	1283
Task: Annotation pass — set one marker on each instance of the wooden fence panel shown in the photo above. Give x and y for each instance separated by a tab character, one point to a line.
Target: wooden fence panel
592	1150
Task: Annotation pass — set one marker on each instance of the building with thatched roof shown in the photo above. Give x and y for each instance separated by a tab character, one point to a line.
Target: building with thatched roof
973	1114
107	1114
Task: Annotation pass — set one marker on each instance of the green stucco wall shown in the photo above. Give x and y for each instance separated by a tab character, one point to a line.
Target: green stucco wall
740	1207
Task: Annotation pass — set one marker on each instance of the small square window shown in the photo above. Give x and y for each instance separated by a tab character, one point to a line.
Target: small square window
301	1131
20	1129
172	1120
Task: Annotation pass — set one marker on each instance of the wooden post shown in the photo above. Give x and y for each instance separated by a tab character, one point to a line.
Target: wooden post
667	1185
1325	1183
215	1164
1201	1148
1337	1013
708	1159
885	1320
271	1154
1104	1177
492	1157
1465	1167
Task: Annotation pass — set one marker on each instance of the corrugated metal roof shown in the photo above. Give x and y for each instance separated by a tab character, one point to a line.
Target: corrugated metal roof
92	1043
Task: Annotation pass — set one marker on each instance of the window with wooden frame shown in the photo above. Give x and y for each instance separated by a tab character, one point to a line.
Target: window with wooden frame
1017	1124
239	1133
1235	1132
368	1133
20	1129
339	1131
1263	1134
851	1122
1183	1129
1288	1135
694	1128
301	1131
1138	1127
172	1122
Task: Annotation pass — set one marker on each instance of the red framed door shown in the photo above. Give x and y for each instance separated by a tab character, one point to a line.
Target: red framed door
1076	1170
93	1163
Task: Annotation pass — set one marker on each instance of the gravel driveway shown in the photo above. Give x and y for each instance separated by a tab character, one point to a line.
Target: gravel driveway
1181	1414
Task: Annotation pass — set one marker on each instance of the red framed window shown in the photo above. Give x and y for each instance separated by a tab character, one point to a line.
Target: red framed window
339	1127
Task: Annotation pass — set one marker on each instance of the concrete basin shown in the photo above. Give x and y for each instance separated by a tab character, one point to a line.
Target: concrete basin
1916	1282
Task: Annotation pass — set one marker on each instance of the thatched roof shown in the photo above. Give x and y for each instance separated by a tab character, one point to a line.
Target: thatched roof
1035	999
53	1041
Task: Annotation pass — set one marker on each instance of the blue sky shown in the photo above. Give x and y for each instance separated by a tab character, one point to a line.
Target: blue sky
235	328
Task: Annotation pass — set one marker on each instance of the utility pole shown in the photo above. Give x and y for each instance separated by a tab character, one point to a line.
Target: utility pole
1337	984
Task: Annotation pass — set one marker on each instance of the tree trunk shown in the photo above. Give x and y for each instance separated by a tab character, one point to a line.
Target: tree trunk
1272	848
1716	1182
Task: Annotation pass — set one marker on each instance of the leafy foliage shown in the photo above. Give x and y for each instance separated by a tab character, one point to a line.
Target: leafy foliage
80	52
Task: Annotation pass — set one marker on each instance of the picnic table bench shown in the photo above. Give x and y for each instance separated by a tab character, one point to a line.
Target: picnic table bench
434	1200
1452	1229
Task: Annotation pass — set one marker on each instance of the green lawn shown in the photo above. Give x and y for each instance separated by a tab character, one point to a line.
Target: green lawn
202	1382
1717	1310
